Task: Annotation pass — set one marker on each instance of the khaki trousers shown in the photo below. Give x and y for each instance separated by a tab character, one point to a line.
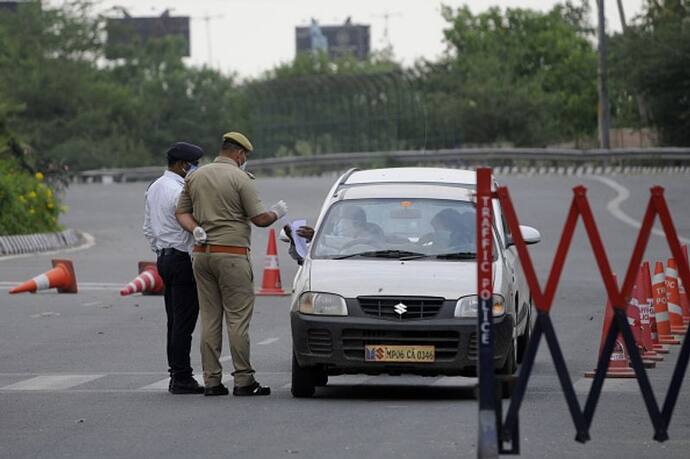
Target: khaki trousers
225	284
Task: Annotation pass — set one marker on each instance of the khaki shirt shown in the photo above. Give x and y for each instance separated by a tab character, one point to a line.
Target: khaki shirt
222	198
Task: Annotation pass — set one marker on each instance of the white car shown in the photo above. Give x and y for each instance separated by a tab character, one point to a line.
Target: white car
389	282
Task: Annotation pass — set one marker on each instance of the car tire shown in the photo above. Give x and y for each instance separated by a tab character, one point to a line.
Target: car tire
508	370
321	378
303	380
523	340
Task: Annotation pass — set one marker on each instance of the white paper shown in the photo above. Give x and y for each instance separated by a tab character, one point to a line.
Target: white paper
300	242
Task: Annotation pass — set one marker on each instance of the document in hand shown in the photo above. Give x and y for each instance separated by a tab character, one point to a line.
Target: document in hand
300	242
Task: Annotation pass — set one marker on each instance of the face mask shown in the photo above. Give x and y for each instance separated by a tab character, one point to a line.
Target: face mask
345	227
192	168
244	166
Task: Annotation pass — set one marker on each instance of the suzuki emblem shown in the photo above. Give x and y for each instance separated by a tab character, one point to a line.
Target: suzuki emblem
400	308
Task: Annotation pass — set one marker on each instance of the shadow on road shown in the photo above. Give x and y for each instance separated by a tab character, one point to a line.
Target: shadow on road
395	392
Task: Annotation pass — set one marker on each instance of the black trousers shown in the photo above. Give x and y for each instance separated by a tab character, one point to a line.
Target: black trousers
181	307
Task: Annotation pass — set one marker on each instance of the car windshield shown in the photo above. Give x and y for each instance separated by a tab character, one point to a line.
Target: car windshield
397	228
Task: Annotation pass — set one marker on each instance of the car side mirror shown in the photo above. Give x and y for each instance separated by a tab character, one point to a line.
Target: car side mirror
529	235
283	236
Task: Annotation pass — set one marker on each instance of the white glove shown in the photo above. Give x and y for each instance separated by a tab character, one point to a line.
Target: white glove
280	209
199	235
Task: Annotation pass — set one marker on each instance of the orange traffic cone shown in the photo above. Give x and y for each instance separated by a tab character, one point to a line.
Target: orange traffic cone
684	300
148	282
639	313
61	277
618	362
647	292
663	326
675	312
271	285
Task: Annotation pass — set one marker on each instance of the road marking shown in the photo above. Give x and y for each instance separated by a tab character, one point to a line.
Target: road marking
52	382
163	384
85	286
267	341
622	195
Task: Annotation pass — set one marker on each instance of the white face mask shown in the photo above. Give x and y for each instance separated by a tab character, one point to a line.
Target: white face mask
244	166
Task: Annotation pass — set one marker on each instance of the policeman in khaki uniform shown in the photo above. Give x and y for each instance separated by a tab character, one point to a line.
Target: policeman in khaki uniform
217	205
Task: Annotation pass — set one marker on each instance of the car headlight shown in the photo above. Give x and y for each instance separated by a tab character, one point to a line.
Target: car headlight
325	304
468	306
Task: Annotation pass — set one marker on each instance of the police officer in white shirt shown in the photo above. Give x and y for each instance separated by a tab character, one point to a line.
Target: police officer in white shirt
173	245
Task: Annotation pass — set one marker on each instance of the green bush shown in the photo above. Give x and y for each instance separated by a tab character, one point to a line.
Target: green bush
27	204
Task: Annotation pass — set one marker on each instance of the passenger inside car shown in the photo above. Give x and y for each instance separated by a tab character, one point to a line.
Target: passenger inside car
452	230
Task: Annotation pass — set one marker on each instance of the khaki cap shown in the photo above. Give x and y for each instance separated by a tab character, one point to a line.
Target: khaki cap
239	139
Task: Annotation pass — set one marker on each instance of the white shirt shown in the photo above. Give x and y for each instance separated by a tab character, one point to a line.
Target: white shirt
161	228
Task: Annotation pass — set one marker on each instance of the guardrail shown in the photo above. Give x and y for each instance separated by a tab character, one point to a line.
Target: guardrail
516	159
42	242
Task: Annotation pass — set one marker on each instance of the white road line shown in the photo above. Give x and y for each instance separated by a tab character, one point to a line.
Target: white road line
163	384
85	286
52	382
622	195
267	341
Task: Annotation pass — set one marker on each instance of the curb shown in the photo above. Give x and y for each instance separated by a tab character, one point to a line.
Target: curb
36	243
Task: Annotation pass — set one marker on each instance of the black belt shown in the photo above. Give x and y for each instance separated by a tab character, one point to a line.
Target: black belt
171	251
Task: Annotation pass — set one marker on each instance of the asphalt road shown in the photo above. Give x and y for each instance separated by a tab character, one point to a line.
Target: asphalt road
84	375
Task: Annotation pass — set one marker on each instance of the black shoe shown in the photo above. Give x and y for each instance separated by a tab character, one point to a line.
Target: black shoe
220	389
170	386
251	390
186	386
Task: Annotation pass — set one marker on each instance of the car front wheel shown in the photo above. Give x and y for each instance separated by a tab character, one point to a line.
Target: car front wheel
304	379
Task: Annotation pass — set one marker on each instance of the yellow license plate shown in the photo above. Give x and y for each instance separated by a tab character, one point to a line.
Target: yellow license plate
380	353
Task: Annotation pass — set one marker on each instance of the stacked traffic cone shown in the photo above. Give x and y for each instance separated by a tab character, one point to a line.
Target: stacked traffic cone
271	285
148	282
61	277
683	293
618	362
675	312
663	325
647	291
638	313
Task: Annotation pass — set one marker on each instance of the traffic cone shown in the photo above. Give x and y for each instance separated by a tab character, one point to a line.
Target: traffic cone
663	326
148	282
61	277
675	312
618	362
647	292
683	293
639	313
271	285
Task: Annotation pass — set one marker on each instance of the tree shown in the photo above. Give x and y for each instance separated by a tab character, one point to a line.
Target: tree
516	75
652	58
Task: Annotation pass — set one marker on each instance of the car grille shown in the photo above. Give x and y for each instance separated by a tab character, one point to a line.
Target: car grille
472	348
445	342
385	307
320	342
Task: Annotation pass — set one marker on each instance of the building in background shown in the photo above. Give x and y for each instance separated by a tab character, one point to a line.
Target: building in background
336	40
123	33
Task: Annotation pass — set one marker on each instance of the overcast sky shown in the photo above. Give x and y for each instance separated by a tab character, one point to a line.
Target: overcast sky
251	36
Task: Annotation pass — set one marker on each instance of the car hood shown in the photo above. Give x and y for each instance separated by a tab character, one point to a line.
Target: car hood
353	278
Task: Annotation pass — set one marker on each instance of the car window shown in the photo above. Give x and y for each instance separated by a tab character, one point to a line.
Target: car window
419	226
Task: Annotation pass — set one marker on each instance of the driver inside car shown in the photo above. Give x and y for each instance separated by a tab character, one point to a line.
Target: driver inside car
451	230
353	224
